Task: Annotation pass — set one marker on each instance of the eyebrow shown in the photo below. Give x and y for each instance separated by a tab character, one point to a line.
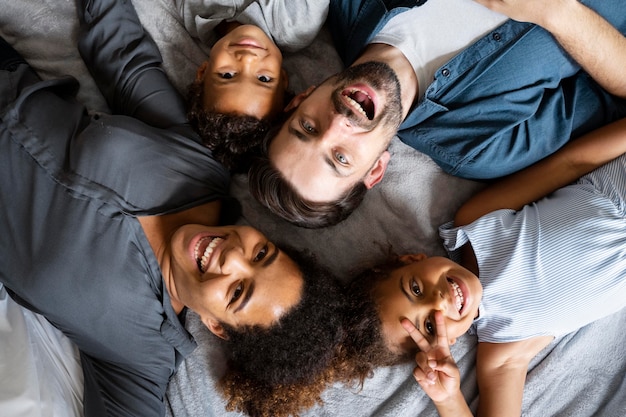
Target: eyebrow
333	166
304	138
246	298
406	294
268	261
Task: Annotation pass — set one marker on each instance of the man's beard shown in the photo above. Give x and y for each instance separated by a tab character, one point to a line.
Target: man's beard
381	78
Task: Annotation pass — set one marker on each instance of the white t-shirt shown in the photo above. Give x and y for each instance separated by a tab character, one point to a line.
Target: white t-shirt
431	34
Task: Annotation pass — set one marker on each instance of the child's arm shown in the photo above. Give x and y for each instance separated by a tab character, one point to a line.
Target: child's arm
501	372
436	370
579	30
575	159
126	63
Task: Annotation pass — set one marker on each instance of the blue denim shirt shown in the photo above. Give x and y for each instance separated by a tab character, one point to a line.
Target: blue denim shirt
503	103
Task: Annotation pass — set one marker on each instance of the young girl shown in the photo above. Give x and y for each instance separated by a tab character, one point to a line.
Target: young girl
533	264
241	88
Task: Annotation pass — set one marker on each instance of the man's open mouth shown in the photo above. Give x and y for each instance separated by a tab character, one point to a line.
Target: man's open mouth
360	101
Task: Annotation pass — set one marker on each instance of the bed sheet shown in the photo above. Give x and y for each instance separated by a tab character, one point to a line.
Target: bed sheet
581	374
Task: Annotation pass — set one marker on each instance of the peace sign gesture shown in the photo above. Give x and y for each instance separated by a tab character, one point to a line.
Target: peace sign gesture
436	371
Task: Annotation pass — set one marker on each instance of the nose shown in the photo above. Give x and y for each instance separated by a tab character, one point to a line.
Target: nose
338	125
235	263
439	300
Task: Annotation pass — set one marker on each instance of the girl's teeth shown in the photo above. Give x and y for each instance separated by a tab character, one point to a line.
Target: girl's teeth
459	300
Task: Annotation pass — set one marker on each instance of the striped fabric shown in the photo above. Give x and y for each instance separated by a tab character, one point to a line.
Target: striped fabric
554	266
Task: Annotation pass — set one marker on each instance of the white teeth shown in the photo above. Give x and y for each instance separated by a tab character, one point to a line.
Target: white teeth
458	295
356	105
203	262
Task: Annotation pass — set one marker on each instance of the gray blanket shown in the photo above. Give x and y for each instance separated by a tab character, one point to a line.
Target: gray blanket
581	374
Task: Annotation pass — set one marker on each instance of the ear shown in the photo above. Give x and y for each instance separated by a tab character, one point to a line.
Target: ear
375	175
412	258
201	70
295	102
215	327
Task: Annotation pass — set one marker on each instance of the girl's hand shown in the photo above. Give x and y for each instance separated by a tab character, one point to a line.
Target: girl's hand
436	371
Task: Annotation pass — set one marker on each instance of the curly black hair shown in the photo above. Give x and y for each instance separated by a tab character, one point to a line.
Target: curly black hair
368	348
270	366
234	138
332	335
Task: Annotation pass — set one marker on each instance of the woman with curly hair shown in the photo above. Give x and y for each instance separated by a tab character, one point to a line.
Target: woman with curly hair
113	225
287	382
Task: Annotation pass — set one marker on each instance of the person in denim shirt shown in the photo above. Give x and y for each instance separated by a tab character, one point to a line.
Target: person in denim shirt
516	94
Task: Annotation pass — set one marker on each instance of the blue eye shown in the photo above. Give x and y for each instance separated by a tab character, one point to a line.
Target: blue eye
264	78
341	158
308	127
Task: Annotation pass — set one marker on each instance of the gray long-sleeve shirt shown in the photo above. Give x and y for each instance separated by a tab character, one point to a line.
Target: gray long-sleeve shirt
72	186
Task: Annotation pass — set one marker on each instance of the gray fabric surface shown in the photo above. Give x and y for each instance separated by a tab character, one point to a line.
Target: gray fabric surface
581	374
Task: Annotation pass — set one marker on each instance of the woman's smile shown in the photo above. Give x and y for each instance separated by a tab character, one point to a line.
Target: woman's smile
203	250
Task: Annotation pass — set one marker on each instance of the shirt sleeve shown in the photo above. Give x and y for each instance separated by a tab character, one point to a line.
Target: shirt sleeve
292	24
126	64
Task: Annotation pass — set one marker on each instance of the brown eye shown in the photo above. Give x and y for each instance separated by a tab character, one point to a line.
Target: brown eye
237	293
261	254
429	326
415	288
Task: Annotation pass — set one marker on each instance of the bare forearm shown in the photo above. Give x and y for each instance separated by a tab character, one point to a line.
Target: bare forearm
455	407
592	41
574	160
501	373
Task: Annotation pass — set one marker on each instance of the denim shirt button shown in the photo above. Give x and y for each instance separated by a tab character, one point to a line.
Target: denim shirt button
496	37
445	72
